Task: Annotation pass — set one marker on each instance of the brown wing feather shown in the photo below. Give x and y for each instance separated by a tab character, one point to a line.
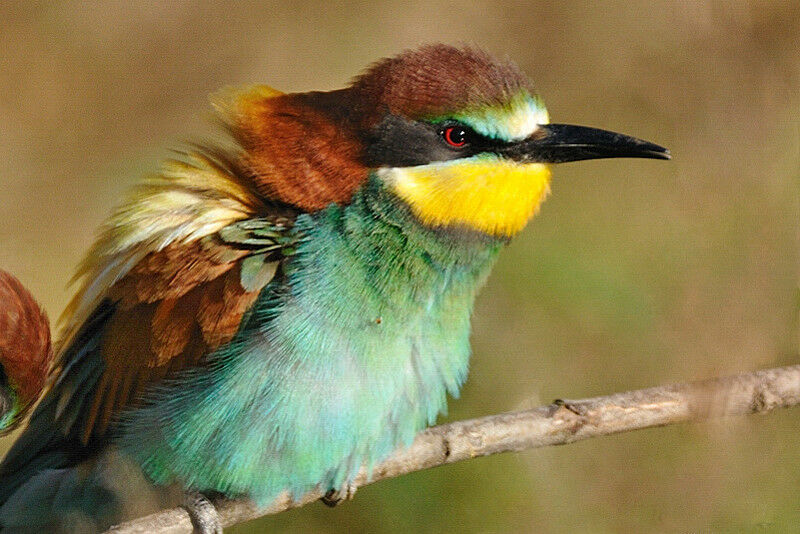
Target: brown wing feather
173	308
25	350
24	338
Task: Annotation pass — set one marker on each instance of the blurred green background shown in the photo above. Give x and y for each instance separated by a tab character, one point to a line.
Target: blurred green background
636	273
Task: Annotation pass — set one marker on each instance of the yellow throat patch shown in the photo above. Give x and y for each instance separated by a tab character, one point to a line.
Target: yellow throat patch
493	195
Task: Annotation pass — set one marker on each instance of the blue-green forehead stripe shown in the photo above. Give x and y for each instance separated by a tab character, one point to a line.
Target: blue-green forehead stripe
513	120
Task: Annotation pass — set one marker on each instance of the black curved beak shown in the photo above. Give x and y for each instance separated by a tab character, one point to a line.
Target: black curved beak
559	143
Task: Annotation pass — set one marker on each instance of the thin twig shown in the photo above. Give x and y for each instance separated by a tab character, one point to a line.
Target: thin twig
556	424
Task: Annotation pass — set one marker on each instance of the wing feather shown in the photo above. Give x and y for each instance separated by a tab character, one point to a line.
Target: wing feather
167	282
172	309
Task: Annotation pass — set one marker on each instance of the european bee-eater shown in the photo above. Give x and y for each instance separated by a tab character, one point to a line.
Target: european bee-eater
273	314
25	352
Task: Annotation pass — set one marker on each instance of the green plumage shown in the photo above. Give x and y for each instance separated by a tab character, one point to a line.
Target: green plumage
342	360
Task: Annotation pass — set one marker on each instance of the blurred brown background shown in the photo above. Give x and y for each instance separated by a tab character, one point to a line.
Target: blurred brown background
635	273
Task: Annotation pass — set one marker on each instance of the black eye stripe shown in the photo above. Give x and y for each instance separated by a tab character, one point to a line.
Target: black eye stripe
400	142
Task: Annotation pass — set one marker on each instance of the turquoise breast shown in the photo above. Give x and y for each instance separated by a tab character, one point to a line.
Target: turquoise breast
344	360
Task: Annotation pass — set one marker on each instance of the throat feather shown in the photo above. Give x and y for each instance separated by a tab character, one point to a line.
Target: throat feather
491	195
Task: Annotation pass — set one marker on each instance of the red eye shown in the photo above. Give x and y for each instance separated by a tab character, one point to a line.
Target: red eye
455	136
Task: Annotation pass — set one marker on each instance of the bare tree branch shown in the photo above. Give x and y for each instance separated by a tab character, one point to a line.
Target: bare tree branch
556	424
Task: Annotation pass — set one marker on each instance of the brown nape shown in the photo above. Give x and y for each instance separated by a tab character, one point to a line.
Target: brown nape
436	80
303	149
25	351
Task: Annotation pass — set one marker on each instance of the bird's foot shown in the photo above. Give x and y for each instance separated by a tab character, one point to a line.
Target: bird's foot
204	516
335	496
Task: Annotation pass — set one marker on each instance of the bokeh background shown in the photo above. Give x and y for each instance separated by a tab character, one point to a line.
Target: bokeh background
636	273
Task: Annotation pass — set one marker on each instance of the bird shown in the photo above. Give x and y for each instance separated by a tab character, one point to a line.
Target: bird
25	351
271	312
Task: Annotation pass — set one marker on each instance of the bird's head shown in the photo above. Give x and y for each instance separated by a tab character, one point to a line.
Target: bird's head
458	136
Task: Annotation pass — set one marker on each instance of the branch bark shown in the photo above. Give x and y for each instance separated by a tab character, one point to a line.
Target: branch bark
559	423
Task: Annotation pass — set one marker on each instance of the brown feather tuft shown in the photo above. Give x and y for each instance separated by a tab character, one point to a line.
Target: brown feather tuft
25	351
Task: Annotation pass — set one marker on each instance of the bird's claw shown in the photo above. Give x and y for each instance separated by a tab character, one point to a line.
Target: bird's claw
202	512
335	496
